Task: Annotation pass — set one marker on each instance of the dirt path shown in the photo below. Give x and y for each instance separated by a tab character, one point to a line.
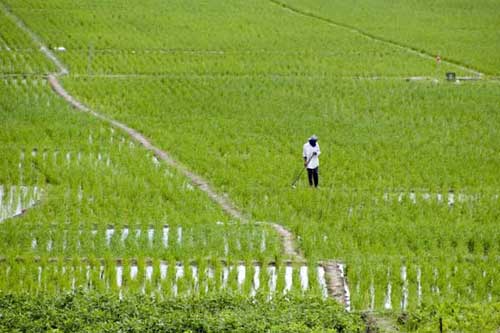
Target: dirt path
375	38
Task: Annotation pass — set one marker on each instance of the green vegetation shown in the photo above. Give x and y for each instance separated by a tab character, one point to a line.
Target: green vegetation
191	37
84	312
18	55
461	31
409	193
94	179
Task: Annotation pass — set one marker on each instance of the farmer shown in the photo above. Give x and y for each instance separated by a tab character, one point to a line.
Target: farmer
311	161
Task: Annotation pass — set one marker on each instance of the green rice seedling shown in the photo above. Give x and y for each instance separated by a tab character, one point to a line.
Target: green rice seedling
357	283
169	281
232	276
126	280
202	274
244	277
182	278
280	278
312	280
380	283
262	288
155	281
398	274
214	275
139	280
109	274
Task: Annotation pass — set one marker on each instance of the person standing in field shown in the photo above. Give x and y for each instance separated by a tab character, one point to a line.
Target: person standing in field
311	161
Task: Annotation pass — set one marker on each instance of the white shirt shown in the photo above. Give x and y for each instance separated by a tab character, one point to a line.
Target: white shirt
308	155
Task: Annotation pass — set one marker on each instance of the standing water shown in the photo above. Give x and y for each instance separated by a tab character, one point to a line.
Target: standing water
255	280
347	293
273	278
194	274
179	273
151	234
288	278
404	300
241	269
109	233
125	232
163	270
322	281
133	270
387	302
165	236
119	275
419	286
304	278
179	235
149	271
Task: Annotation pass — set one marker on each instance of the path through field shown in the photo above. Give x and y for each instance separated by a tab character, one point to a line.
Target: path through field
336	281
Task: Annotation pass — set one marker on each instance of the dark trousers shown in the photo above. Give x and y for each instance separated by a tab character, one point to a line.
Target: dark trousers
313	175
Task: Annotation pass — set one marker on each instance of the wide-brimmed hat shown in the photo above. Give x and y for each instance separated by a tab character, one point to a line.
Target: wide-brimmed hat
313	138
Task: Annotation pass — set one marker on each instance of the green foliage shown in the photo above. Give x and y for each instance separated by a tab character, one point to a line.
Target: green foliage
461	31
82	311
455	317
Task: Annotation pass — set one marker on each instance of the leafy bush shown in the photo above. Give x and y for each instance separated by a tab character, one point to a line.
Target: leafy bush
91	312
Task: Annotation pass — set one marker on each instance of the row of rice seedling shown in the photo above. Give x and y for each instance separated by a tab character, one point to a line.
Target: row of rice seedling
398	284
304	46
14	200
97	185
18	55
344	101
160	277
451	38
384	191
73	238
345	63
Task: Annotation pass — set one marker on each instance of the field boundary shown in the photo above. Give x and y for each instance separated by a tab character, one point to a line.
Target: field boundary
367	35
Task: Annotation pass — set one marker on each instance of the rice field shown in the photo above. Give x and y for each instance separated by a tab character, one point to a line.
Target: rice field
408	206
